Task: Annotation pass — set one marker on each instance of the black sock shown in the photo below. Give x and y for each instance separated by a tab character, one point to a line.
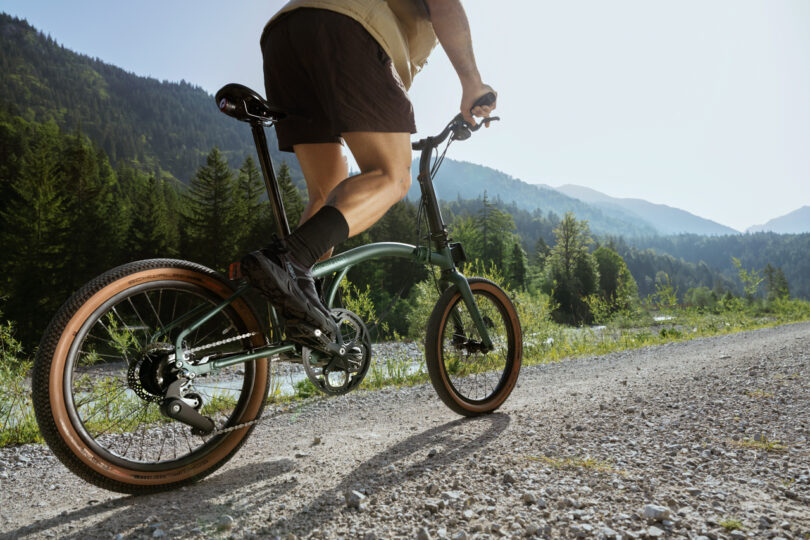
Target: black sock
324	230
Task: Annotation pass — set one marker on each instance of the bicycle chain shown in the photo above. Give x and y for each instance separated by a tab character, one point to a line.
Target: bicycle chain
244	424
247	424
221	342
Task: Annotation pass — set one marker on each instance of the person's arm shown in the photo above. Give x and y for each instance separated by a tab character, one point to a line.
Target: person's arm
453	30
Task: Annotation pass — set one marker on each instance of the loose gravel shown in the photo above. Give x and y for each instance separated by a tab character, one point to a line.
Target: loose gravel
699	439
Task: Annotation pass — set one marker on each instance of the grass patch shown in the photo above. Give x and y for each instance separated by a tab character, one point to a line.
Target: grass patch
731	524
588	463
763	444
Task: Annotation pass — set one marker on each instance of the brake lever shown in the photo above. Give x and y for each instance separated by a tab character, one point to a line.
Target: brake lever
463	130
484	121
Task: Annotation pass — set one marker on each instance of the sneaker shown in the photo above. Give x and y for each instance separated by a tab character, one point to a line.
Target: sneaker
280	279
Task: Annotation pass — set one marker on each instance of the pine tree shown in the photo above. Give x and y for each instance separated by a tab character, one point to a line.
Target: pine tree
151	232
496	229
293	202
776	284
253	227
211	213
518	267
34	226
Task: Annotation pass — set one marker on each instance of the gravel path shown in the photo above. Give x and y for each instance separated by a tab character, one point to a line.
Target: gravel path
666	441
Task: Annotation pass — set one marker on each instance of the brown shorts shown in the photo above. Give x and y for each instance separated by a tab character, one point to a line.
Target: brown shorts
327	71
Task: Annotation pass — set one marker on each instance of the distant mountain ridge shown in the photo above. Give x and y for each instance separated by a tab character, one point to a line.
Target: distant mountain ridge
459	179
665	219
796	222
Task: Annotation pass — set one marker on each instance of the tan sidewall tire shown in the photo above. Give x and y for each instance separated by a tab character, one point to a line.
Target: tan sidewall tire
58	407
436	368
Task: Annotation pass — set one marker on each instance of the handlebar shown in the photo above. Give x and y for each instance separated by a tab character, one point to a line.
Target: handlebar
460	128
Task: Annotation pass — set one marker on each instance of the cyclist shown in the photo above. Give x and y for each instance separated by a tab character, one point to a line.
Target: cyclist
342	68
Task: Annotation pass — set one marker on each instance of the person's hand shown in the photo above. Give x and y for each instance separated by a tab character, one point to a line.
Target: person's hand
469	96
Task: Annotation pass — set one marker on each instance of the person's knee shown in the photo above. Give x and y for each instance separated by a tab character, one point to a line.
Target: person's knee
405	183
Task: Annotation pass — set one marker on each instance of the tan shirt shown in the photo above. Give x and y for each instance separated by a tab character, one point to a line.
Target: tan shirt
401	27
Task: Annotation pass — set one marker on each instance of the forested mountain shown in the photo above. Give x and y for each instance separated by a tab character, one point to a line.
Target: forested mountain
665	219
153	125
796	222
790	252
462	180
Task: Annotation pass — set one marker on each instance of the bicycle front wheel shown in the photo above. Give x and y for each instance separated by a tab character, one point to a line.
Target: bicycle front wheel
468	378
105	362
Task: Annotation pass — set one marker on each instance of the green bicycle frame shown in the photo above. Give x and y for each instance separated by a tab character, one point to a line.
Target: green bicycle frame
440	255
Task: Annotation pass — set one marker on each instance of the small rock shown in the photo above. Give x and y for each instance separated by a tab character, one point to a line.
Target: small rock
467	515
509	478
529	498
531	529
452	495
355	499
224	523
609	533
653	512
460	535
158	533
432	489
370	536
737	534
432	452
654	532
316	441
422	534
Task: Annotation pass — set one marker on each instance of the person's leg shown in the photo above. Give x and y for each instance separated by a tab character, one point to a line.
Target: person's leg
357	202
385	176
324	167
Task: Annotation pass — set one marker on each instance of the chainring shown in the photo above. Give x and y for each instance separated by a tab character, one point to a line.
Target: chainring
336	375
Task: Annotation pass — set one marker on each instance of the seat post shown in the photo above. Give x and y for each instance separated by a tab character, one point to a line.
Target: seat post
273	193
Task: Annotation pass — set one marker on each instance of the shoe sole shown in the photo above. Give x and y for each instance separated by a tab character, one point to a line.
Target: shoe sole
282	291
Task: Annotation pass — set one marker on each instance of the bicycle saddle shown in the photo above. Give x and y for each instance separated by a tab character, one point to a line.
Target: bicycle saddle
244	104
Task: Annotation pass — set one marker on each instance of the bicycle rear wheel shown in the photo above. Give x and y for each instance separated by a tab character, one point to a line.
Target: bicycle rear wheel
469	379
99	377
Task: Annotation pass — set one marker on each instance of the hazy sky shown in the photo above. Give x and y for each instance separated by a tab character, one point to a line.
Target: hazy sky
699	104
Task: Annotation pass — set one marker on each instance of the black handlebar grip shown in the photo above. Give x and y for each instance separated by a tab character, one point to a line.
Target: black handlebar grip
487	100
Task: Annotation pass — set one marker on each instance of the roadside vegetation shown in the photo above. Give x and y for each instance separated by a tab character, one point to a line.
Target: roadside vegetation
583	303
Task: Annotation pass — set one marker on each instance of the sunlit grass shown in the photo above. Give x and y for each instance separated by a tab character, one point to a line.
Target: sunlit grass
587	462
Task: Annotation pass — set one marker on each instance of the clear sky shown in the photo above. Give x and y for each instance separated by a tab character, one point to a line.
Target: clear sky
699	104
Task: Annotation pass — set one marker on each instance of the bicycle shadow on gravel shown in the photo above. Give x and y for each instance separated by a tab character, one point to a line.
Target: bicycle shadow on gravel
176	511
410	458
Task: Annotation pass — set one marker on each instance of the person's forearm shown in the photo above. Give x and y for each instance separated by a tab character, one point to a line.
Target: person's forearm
453	30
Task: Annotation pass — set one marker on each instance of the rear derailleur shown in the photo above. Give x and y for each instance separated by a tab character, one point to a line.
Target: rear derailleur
155	378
